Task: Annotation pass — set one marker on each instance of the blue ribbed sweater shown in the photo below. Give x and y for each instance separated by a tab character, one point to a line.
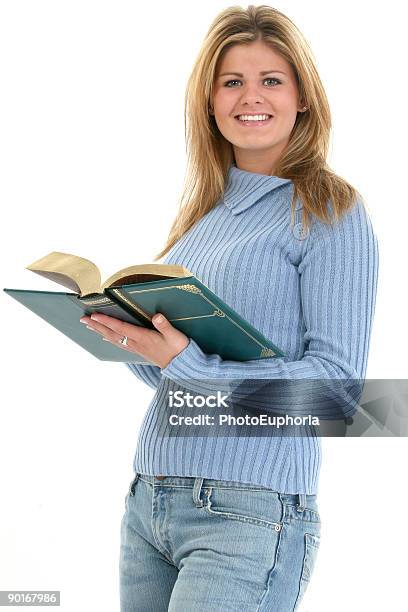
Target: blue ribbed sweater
312	293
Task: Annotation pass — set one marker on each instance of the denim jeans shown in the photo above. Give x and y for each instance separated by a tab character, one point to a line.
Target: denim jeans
195	544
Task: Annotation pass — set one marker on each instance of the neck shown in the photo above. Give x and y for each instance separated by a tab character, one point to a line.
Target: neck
264	169
259	162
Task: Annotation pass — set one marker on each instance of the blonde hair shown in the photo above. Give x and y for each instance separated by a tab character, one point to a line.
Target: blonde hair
209	154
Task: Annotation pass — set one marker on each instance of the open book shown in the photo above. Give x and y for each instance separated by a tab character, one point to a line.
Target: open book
84	277
134	295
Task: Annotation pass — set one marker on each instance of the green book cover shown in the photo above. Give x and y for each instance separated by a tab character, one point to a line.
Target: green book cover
185	301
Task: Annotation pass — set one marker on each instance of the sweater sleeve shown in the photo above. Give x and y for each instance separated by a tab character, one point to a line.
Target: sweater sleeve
338	282
149	374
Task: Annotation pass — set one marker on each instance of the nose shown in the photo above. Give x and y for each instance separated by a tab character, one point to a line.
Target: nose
251	100
251	94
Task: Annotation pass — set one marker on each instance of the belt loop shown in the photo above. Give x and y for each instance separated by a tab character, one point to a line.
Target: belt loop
198	482
133	484
302	502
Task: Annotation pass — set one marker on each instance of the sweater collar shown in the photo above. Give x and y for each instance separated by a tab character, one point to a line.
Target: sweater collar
244	188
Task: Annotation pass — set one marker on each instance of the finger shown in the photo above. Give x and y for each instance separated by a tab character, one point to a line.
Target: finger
110	336
125	347
163	325
93	326
120	327
107	334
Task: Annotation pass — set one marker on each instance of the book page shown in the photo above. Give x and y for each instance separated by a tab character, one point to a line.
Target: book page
71	271
143	273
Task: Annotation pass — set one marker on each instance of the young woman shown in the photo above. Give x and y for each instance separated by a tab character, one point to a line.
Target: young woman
231	523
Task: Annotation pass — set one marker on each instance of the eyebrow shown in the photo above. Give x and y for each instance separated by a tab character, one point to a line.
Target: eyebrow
241	75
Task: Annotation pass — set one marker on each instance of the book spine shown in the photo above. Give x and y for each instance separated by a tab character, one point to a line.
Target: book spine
130	307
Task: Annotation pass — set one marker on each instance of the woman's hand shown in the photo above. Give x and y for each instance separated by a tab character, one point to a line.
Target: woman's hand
160	346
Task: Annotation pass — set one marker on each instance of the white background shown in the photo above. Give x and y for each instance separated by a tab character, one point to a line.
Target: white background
92	163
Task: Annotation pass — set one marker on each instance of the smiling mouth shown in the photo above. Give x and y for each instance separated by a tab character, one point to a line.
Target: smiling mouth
254	122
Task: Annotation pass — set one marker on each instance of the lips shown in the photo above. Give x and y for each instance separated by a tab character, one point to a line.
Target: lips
254	123
252	115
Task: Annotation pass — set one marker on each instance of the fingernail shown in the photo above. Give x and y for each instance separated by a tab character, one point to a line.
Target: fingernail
83	321
94	317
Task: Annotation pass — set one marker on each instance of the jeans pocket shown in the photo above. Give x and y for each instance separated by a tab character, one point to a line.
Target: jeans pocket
258	507
312	543
126	501
131	490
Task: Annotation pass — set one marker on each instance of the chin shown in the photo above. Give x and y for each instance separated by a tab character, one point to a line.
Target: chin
253	143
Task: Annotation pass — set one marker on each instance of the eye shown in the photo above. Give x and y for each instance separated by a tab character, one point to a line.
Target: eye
273	79
227	83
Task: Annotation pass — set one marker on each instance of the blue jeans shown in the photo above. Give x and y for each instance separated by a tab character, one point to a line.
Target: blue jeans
195	544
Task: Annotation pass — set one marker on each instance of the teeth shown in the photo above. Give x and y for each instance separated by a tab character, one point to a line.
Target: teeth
253	117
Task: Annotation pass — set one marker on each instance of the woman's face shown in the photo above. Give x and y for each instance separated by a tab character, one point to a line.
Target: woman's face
253	79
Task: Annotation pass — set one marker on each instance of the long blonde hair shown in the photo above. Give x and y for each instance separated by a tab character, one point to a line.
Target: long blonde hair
209	154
